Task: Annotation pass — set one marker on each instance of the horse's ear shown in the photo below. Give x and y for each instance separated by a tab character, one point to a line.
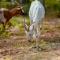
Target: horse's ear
17	3
22	7
26	26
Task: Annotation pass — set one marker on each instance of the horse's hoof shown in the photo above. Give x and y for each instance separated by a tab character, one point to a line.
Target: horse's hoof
29	41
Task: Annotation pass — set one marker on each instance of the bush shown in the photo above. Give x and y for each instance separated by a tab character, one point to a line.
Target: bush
26	8
53	4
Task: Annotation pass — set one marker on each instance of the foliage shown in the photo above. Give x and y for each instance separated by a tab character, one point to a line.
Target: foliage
52	5
26	8
4	33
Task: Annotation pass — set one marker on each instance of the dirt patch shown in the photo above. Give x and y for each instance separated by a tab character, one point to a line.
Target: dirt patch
16	47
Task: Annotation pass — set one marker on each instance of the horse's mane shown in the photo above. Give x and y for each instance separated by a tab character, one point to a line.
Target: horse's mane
14	9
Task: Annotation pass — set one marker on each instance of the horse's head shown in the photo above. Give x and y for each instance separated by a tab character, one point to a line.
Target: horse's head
19	10
31	31
28	31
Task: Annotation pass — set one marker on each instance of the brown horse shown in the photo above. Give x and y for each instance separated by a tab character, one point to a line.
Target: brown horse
6	14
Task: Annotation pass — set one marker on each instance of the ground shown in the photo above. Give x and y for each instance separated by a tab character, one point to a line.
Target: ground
16	46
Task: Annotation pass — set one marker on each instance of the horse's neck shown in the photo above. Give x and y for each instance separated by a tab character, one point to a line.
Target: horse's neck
13	12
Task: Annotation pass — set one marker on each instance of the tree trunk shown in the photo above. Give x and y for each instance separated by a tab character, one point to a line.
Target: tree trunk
43	2
22	1
12	2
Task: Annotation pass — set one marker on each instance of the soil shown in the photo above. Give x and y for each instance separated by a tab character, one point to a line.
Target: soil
16	47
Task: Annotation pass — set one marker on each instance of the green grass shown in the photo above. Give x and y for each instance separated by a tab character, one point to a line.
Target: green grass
17	21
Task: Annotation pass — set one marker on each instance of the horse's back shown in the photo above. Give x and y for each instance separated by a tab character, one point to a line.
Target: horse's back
2	13
36	11
3	9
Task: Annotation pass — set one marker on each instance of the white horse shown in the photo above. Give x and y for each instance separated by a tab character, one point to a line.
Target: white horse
36	15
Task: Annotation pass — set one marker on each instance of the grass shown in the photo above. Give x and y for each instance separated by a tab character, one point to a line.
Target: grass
17	22
23	47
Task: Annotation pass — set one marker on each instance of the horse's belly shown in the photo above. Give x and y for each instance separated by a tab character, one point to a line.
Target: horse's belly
2	19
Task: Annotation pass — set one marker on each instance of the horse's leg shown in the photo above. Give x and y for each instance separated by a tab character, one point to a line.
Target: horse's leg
9	24
37	34
3	26
31	22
